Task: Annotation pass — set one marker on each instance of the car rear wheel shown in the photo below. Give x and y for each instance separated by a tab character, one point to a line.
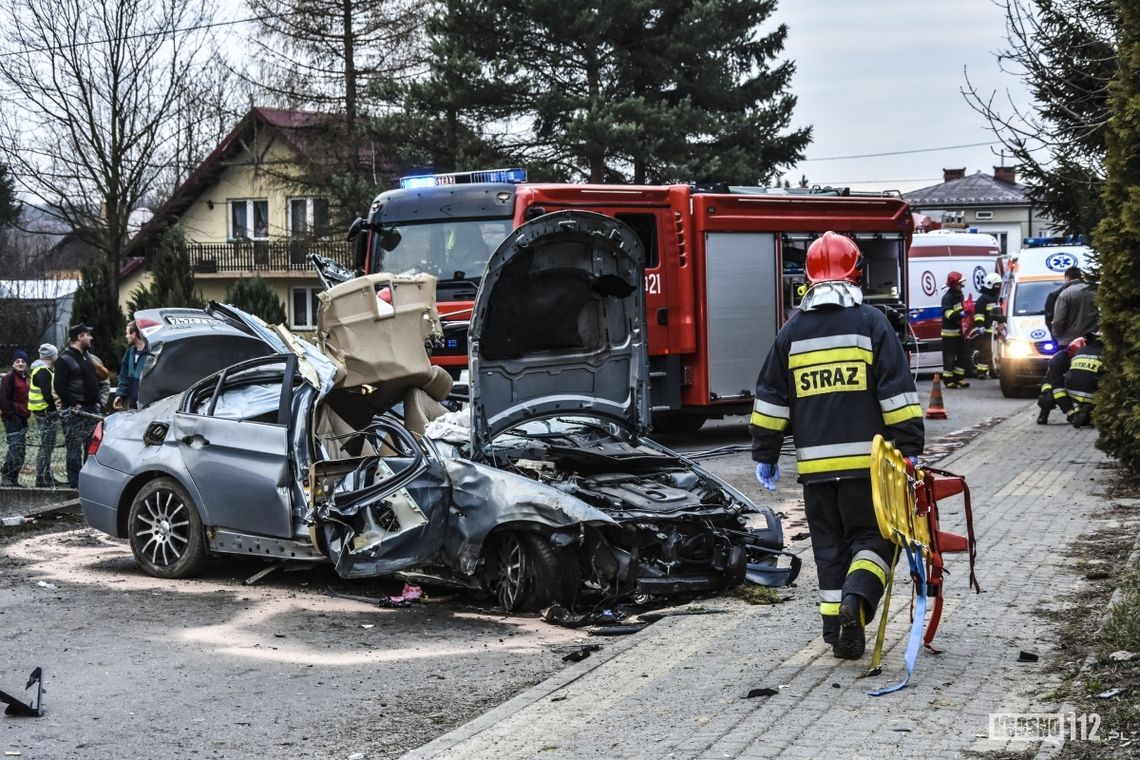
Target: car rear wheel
528	576
165	531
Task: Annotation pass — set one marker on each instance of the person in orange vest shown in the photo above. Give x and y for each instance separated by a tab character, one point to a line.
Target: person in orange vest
955	358
836	376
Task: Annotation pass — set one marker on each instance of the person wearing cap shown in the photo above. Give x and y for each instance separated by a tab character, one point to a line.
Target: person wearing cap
130	369
77	386
14	410
42	403
835	377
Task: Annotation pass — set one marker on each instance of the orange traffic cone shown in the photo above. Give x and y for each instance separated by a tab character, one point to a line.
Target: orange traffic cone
935	410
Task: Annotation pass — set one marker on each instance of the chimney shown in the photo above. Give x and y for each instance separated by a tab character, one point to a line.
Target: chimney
949	175
1006	174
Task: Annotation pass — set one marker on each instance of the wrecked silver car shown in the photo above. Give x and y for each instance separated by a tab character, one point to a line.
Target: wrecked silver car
542	489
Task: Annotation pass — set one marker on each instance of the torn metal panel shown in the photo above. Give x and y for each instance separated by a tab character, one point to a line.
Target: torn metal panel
484	498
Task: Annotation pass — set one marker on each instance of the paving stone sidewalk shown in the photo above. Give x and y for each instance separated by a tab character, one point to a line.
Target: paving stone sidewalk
676	690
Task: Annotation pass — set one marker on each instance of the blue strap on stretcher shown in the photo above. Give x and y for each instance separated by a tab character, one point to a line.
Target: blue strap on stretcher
914	643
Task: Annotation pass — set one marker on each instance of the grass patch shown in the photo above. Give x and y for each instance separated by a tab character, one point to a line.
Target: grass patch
757	594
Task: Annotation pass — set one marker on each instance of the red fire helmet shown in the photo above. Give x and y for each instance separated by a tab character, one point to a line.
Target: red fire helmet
833	257
954	278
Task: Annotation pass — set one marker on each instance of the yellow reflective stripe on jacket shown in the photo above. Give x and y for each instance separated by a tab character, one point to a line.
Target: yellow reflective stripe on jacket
834	457
830	355
768	423
900	408
902	415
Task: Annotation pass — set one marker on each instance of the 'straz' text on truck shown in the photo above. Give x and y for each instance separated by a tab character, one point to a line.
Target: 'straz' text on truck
724	266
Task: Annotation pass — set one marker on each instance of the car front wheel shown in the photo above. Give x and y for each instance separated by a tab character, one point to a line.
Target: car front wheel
527	573
165	531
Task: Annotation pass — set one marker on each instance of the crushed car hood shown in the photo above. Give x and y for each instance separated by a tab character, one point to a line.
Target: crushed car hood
559	327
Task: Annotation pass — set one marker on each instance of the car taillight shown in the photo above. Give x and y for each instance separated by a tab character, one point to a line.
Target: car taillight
96	439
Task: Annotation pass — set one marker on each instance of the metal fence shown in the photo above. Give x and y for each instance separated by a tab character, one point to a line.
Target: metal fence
25	451
261	255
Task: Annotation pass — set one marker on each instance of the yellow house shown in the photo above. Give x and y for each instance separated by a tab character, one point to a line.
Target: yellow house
244	213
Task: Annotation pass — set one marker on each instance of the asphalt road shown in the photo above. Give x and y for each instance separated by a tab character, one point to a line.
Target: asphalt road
290	667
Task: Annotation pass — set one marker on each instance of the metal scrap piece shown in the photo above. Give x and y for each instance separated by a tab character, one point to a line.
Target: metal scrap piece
34	708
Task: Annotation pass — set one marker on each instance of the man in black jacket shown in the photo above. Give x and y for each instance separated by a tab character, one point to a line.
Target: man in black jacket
836	376
77	386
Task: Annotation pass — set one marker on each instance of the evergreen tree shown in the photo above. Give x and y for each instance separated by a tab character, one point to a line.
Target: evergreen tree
254	295
103	314
1117	240
172	278
650	91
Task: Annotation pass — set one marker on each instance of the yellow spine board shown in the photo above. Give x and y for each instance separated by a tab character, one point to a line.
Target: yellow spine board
894	492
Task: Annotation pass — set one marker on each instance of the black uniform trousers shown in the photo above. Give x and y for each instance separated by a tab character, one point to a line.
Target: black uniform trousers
1053	394
956	364
851	556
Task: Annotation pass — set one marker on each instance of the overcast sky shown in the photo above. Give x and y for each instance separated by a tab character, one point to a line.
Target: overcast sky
885	76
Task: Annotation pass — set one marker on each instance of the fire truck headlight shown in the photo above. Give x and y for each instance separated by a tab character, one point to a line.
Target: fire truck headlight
1018	349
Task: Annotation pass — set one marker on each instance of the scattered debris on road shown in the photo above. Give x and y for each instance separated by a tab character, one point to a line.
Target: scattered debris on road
34	708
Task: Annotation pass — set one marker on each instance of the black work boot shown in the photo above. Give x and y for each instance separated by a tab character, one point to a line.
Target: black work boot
1043	417
830	630
851	642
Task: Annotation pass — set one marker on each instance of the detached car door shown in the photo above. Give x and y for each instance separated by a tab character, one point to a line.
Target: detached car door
233	432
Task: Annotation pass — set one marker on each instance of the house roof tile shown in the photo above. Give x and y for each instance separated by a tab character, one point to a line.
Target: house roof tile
975	190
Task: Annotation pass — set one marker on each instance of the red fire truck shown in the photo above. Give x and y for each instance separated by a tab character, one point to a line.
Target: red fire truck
724	265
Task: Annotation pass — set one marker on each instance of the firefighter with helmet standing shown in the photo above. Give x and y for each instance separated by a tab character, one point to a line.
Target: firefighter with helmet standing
836	376
987	312
955	359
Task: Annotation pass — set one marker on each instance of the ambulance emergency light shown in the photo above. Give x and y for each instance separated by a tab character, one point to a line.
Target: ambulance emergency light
513	176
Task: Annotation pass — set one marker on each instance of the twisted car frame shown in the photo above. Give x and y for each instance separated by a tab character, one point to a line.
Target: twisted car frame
543	489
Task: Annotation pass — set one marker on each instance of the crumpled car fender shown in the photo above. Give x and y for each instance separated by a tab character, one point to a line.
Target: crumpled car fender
484	497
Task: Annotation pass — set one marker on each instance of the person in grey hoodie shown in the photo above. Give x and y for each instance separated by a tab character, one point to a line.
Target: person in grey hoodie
1075	313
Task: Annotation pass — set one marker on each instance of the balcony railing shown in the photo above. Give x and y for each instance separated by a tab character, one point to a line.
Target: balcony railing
261	255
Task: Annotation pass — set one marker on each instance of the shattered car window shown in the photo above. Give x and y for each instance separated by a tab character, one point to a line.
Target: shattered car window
247	402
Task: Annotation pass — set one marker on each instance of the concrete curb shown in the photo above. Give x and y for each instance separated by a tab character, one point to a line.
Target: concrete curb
19	504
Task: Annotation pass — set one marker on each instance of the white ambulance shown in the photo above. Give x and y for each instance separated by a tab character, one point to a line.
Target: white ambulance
1023	345
932	256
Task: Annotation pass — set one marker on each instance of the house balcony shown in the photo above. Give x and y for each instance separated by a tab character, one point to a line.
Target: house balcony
261	256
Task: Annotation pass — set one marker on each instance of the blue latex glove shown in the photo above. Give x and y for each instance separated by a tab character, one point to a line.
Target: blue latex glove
913	460
768	475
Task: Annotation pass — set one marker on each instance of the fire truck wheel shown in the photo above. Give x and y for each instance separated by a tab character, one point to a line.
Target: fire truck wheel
677	424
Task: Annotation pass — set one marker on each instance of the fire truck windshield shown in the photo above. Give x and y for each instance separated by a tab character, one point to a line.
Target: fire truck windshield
449	250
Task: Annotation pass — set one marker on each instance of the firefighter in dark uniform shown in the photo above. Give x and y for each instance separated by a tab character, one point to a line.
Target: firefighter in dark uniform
835	377
1053	394
1083	378
987	312
955	357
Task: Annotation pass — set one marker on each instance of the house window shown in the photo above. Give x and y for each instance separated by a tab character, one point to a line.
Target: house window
303	311
249	218
308	217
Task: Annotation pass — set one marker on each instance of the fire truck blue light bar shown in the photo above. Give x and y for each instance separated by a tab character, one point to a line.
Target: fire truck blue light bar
514	176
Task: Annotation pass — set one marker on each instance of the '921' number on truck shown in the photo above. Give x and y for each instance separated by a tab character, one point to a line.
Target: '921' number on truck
653	283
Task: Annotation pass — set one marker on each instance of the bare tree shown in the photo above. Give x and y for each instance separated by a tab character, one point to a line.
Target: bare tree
1066	53
92	88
